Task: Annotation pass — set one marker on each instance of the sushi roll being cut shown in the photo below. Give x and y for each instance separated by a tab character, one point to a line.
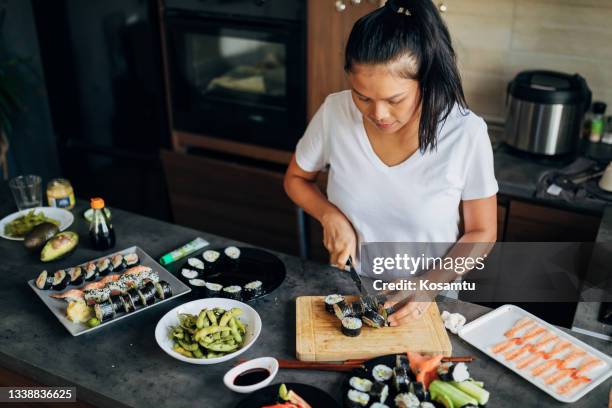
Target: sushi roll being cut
382	373
342	310
232	292
76	275
379	392
253	290
104	311
331	300
373	319
61	279
104	266
212	289
351	326
356	399
163	290
361	384
44	280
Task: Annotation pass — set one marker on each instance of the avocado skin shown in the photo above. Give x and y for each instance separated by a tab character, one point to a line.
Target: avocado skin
40	234
59	246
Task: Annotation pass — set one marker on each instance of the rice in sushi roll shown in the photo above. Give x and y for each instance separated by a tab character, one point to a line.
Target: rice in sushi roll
361	384
189	273
407	400
91	271
104	311
131	260
342	310
232	292
195	263
44	280
373	319
231	255
197	283
93	296
104	266
382	373
253	289
61	279
211	258
357	399
212	289
379	392
351	326
331	300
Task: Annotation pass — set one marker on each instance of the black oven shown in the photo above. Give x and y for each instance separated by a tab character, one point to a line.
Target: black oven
237	69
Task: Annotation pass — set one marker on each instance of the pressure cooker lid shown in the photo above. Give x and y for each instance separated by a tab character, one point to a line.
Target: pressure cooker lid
550	87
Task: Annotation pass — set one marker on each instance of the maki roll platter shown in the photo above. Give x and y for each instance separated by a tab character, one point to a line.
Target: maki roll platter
238	273
109	285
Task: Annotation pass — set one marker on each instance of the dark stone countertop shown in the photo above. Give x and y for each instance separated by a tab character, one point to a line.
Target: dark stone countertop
121	364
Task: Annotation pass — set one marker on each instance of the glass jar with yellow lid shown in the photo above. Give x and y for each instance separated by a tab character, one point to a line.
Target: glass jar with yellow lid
60	194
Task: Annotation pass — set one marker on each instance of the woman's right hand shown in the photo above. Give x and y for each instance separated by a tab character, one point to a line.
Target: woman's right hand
339	238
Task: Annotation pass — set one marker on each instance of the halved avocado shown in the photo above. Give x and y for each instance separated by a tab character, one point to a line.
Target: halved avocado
59	246
39	235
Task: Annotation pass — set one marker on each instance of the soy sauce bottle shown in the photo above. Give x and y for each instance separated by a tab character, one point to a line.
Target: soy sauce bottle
101	233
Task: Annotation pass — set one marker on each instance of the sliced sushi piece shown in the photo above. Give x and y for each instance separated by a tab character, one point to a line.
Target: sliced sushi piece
117	287
104	266
118	304
373	319
147	294
133	298
407	400
253	289
402	361
104	311
351	326
382	373
129	306
91	271
198	283
361	384
211	258
93	296
44	280
76	276
163	290
129	281
118	263
61	279
151	275
401	380
195	263
418	389
232	292
380	405
453	372
379	392
212	289
342	309
231	256
331	300
189	273
131	260
357	399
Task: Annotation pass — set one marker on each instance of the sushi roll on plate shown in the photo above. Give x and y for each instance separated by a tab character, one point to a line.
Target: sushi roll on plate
231	256
453	372
44	280
232	292
253	290
76	275
331	300
211	259
356	399
189	273
195	263
131	260
401	381
379	392
361	384
379	405
117	263
91	271
104	311
407	400
212	289
94	296
197	283
104	266
147	294
61	279
163	290
382	373
351	326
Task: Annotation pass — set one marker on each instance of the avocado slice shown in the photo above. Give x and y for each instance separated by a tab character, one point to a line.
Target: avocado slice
39	235
59	246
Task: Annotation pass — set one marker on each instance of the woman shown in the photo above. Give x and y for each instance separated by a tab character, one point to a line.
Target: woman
402	148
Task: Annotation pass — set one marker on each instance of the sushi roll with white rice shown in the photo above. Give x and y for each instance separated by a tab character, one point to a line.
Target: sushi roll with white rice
361	384
44	280
382	373
163	290
147	294
211	258
91	271
76	276
61	279
189	273
357	399
407	400
104	266
232	292
195	263
197	283
401	380
453	372
131	260
379	405
117	287
231	256
351	326
151	275
379	392
342	310
253	289
104	311
118	263
212	289
331	300
93	296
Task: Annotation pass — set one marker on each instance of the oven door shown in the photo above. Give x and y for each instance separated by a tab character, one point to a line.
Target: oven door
237	79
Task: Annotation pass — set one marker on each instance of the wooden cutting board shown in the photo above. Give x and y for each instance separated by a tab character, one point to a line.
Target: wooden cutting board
319	338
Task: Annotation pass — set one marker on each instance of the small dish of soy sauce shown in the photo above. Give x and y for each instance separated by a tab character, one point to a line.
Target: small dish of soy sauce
251	375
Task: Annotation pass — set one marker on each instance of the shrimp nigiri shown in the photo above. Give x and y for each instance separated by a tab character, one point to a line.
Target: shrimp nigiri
570	385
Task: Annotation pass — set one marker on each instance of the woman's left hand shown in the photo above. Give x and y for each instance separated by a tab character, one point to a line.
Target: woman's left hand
414	309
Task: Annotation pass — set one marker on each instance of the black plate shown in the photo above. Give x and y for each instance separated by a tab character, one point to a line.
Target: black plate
253	264
314	396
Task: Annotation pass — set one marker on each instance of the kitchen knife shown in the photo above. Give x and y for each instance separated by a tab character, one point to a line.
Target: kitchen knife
356	278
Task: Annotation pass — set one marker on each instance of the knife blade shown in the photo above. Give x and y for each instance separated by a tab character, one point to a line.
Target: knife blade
356	278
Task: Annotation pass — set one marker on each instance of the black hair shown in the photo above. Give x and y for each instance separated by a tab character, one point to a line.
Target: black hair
414	29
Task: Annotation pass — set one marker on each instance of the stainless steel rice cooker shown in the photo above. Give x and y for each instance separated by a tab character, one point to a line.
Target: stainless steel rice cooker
545	110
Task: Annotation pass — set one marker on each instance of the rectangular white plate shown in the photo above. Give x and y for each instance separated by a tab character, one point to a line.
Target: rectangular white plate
58	306
489	329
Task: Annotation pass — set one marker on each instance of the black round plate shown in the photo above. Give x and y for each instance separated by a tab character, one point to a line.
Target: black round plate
269	396
253	264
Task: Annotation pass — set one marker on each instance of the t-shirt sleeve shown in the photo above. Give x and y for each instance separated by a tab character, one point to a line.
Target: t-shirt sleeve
311	152
480	179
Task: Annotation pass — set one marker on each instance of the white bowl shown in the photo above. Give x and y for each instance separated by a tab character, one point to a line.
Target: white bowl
64	217
269	363
249	317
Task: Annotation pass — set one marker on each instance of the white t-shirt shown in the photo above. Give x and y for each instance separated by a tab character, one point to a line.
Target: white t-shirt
414	201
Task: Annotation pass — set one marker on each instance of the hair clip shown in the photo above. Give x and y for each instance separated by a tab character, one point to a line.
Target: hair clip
392	4
403	10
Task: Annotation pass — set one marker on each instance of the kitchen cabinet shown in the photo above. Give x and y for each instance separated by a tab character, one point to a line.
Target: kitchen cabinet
328	30
231	199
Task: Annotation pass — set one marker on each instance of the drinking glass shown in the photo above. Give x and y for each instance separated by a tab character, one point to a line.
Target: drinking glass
27	191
